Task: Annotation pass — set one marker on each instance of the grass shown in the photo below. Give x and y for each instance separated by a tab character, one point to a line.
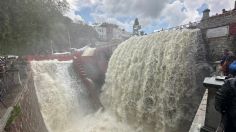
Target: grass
14	114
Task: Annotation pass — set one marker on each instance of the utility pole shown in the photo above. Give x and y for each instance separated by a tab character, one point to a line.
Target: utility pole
51	47
69	39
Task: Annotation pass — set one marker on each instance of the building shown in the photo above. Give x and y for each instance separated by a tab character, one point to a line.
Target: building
101	32
111	32
219	32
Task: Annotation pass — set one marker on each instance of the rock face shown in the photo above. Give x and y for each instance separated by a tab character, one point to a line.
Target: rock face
154	82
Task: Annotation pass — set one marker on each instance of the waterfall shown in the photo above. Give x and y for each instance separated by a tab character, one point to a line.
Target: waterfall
62	98
154	82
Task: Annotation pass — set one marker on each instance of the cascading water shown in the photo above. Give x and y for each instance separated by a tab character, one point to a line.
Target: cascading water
153	84
62	98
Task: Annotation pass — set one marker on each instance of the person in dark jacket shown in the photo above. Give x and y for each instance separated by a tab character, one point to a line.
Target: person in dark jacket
225	103
225	55
225	67
232	68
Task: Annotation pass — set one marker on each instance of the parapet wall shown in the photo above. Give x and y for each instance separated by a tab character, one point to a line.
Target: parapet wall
216	47
218	20
30	118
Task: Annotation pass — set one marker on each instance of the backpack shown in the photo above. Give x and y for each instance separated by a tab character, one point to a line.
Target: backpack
232	68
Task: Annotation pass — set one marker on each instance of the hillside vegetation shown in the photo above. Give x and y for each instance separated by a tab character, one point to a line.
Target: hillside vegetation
34	26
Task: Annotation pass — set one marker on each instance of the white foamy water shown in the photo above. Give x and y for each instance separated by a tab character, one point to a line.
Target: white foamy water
63	100
153	84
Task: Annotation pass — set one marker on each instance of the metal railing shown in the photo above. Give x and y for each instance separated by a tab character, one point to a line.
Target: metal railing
7	77
3	85
190	25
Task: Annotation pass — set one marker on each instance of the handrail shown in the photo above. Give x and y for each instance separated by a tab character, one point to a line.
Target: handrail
180	27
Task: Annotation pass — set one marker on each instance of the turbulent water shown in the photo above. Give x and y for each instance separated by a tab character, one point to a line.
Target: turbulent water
153	84
62	98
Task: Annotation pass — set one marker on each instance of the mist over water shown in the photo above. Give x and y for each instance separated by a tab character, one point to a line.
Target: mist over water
153	84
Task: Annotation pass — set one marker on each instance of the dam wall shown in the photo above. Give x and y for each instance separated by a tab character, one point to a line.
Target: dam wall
30	118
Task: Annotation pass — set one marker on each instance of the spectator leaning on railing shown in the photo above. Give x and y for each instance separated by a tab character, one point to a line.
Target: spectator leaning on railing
225	55
226	61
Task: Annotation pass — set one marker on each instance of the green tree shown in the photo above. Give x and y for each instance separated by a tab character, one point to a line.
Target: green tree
29	26
136	27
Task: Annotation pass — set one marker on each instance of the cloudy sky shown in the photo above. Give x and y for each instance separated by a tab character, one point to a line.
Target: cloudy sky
152	14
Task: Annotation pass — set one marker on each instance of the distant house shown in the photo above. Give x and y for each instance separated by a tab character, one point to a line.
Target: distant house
111	32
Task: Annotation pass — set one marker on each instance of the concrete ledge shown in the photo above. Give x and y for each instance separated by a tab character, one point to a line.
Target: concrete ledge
5	118
30	118
199	118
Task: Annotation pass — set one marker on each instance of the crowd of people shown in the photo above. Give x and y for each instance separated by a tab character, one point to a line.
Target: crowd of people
228	63
225	99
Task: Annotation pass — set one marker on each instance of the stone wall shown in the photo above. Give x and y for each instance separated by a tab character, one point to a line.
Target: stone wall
30	118
216	46
218	20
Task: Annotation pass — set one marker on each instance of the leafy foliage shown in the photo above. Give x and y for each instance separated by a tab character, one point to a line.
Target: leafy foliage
29	27
14	114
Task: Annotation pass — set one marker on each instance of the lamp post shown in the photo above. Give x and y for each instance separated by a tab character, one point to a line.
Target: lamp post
51	47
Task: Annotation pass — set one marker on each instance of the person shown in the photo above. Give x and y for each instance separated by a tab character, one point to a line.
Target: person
225	67
225	103
232	68
225	55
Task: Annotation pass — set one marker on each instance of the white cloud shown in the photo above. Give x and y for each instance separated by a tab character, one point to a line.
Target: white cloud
74	17
216	6
71	13
72	4
78	4
173	15
104	18
149	11
140	8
